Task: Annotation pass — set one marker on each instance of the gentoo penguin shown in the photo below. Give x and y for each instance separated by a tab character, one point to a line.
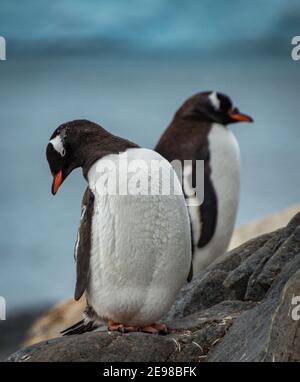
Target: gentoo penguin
133	249
199	131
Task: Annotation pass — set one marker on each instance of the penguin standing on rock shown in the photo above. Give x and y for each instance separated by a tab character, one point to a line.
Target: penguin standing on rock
133	249
199	131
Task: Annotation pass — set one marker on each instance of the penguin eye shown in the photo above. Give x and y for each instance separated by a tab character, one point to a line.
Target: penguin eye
225	105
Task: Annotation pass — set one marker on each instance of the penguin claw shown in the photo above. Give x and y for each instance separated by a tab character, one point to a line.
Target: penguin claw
129	329
151	329
116	327
156	329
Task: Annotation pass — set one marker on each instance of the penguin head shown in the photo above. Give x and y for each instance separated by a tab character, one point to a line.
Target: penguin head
213	107
67	148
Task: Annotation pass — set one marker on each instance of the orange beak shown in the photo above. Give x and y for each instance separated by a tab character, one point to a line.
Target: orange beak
237	116
57	181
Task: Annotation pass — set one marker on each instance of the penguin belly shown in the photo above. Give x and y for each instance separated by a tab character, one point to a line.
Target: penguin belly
225	175
141	248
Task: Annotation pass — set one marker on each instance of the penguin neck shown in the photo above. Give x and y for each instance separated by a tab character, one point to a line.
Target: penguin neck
199	124
184	138
89	153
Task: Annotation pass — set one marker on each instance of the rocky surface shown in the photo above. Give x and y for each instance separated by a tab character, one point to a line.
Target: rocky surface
264	225
65	314
195	336
12	330
53	321
239	309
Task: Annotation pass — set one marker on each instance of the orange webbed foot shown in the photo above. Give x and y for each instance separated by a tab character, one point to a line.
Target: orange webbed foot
123	328
156	329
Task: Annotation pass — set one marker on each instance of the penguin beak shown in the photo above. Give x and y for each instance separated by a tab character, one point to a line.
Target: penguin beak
57	181
237	116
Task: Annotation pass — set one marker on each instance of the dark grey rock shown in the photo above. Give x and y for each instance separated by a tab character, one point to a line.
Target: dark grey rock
207	289
13	330
260	334
263	278
239	309
238	278
284	341
193	338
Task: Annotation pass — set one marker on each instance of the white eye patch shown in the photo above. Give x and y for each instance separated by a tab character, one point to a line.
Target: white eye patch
58	145
214	100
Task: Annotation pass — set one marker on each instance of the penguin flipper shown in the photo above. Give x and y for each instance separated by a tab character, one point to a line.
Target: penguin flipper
208	211
83	244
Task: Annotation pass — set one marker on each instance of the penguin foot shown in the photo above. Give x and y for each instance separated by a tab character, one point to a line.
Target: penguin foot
114	326
156	329
129	329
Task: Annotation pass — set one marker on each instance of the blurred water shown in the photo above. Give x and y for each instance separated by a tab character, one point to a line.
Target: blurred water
156	26
134	99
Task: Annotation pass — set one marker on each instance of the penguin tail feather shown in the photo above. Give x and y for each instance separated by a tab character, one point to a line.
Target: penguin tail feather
191	274
79	328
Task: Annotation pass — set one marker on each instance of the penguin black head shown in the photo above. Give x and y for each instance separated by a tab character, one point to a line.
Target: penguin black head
80	143
214	107
67	148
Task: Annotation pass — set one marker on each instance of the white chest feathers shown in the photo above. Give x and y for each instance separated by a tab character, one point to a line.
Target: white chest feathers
224	161
225	175
141	252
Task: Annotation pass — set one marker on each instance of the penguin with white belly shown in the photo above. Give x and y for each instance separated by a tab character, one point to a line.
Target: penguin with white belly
199	131
133	249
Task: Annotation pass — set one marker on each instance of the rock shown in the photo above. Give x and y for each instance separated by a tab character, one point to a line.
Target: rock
207	288
13	328
195	336
253	277
238	309
266	332
284	342
267	224
67	313
54	320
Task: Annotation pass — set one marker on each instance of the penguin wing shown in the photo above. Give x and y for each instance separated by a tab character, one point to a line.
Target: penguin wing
83	244
208	210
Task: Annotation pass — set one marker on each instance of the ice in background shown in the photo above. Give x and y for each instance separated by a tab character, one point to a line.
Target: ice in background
129	65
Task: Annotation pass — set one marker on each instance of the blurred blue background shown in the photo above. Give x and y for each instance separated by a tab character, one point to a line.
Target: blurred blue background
129	65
